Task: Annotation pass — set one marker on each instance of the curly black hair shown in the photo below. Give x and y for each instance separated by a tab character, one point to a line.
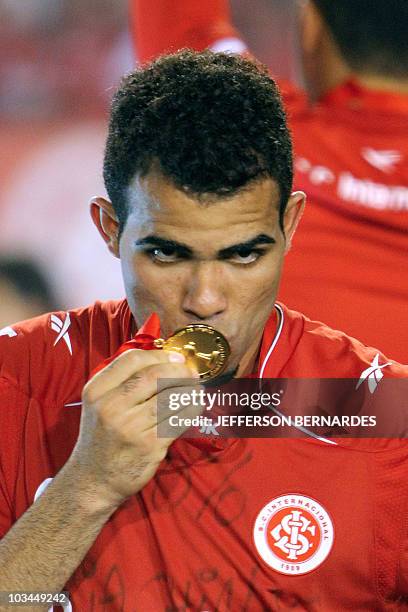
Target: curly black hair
371	34
213	122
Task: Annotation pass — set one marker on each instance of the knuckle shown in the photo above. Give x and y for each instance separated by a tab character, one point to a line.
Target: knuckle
134	356
147	411
150	375
131	385
88	394
111	366
139	357
131	357
103	414
162	355
107	370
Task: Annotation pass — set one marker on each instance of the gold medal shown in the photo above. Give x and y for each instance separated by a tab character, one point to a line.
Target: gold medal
204	348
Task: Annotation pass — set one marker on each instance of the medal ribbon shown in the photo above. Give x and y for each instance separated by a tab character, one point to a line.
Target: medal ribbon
143	339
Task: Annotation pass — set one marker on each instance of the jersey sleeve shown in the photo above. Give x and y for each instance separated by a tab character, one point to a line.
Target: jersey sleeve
13	407
5	507
16	363
164	26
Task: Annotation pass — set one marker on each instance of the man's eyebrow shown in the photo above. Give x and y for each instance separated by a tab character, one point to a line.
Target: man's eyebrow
163	243
185	251
246	246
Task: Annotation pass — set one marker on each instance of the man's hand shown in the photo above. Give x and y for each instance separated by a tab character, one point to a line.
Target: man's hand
118	450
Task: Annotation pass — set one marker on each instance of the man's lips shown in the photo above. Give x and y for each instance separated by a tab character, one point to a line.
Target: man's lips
230	336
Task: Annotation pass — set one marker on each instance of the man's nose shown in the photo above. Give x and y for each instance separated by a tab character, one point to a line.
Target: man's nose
206	293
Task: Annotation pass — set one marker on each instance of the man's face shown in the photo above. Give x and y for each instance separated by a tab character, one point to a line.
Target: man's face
209	260
214	260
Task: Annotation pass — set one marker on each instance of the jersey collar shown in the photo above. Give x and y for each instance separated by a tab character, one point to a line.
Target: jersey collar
353	95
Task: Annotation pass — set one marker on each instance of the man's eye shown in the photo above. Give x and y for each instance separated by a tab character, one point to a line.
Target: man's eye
164	255
245	257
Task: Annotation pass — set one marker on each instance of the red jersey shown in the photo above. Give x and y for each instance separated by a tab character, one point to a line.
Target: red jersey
225	524
348	263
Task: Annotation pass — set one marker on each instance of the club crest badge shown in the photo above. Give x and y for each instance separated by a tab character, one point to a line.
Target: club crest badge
293	534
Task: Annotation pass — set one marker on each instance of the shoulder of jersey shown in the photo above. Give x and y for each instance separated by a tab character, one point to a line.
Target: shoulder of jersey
328	352
35	352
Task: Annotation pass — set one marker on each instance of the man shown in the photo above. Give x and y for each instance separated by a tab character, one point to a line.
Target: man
198	167
351	153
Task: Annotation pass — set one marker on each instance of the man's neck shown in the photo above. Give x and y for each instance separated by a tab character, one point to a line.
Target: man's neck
249	364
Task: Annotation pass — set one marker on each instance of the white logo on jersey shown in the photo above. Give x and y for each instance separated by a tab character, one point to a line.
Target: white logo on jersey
373	374
320	175
361	191
382	160
8	331
61	327
302	164
209	429
371	194
293	534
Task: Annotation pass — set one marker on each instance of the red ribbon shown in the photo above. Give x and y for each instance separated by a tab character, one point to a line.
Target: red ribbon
143	339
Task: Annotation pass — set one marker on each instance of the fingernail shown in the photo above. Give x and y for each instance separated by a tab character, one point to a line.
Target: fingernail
176	357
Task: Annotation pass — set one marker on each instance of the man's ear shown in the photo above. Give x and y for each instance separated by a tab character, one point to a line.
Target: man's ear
106	222
293	213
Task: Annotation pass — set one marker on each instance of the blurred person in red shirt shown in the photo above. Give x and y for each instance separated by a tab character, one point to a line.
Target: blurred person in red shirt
349	261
